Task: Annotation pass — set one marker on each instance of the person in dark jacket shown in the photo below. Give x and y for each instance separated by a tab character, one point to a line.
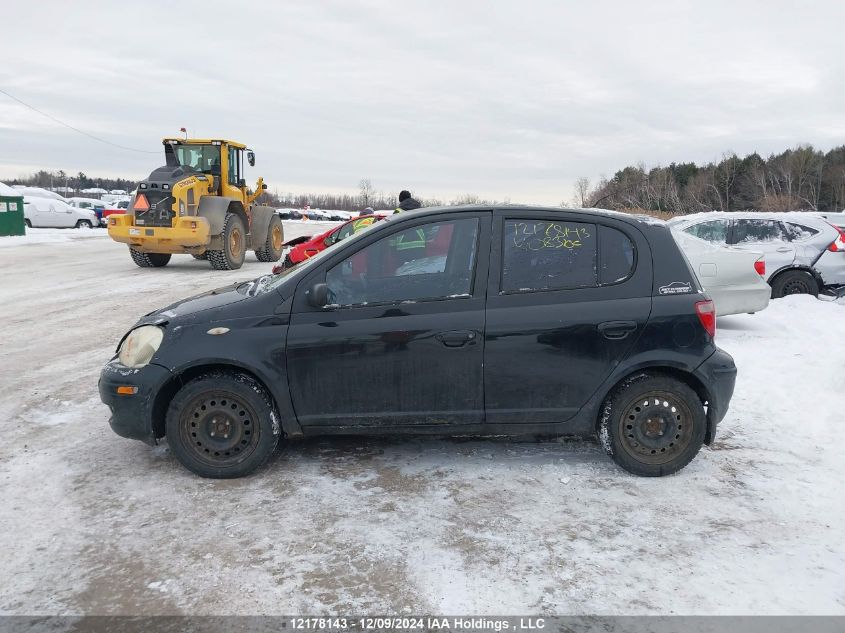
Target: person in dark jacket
406	202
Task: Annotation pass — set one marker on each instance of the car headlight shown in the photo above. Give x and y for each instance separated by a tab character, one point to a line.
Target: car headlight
139	346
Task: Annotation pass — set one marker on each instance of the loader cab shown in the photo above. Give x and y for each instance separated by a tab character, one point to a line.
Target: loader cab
223	160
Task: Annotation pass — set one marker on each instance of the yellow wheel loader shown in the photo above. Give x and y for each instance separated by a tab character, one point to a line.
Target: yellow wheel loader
199	204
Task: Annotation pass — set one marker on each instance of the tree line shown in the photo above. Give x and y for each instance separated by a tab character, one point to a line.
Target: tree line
798	179
56	179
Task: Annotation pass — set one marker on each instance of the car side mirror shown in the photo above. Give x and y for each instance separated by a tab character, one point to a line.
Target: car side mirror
250	158
318	295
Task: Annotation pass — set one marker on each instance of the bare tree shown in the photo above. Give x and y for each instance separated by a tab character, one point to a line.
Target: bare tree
366	187
582	192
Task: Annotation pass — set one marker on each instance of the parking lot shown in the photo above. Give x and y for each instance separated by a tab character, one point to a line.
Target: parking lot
98	524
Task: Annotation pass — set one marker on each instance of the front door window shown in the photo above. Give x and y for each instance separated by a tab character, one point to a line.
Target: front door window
429	261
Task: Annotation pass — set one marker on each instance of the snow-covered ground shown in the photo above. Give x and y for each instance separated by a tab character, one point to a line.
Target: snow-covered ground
93	523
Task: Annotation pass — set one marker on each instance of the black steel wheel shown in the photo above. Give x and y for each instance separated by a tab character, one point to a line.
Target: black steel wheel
222	425
794	282
653	425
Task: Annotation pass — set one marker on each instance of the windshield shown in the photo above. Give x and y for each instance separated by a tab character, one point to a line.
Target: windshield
199	157
269	282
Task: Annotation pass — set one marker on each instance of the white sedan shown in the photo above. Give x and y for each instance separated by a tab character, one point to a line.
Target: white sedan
735	279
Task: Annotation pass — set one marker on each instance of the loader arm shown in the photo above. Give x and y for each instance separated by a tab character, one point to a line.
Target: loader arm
259	189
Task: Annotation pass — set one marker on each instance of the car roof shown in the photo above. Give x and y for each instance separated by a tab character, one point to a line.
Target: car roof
517	208
791	216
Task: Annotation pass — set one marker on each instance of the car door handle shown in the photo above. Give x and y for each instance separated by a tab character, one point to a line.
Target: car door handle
617	330
456	338
784	249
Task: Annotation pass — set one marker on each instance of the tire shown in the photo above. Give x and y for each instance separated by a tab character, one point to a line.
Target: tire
234	245
652	425
27	223
222	425
203	256
794	282
273	246
84	224
149	260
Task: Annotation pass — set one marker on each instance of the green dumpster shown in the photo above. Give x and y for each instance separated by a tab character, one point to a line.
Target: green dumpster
11	215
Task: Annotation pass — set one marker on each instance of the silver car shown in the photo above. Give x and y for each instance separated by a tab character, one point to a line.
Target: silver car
804	253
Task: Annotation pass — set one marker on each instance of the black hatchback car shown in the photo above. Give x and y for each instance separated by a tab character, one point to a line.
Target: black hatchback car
462	320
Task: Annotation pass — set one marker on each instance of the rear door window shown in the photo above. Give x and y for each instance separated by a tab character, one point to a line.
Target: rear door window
756	231
711	231
548	255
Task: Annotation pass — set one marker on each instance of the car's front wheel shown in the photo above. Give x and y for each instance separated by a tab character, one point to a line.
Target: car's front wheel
652	425
222	425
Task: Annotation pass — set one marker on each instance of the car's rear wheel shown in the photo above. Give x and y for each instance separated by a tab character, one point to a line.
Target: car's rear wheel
222	425
794	282
653	425
28	223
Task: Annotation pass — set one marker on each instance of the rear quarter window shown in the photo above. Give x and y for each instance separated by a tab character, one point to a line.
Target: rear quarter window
710	231
797	232
616	256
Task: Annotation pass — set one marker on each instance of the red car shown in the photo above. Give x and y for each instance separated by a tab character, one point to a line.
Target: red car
301	248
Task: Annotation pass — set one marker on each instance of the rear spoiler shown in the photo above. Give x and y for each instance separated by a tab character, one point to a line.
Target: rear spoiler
298	240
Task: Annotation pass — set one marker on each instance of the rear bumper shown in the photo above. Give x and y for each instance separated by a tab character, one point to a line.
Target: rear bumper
718	374
740	299
132	415
187	234
831	267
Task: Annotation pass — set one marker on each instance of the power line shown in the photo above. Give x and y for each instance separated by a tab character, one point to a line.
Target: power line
60	122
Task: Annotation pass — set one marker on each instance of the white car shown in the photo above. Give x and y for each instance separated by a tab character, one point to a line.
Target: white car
50	213
734	278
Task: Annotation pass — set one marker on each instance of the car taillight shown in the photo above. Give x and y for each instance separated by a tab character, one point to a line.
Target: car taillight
706	311
839	243
760	267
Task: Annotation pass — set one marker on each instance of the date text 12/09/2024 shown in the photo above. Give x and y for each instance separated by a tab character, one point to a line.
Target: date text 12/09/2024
411	623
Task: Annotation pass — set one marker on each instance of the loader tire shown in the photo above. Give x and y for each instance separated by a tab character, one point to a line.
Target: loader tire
271	251
149	260
231	257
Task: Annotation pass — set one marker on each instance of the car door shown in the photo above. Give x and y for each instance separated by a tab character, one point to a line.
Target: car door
64	215
401	344
45	214
568	296
766	236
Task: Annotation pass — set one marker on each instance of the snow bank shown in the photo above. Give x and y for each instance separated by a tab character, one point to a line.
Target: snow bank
42	236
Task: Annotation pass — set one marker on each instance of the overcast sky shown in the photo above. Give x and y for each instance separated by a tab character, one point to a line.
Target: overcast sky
500	99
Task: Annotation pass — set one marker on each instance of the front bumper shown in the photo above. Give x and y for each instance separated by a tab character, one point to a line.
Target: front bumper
187	233
132	415
718	374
